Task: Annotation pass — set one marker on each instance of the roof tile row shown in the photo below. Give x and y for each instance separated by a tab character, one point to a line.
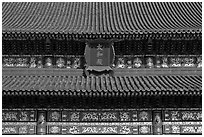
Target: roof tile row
139	85
102	17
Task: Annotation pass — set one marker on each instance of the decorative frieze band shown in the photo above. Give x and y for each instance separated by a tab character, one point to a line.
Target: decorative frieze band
100	128
18	127
100	115
182	115
182	127
101	121
18	115
105	116
121	62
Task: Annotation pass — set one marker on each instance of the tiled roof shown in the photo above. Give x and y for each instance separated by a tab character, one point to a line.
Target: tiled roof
102	18
102	85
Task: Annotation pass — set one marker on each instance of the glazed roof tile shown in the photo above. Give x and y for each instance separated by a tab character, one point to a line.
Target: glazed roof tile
102	85
102	18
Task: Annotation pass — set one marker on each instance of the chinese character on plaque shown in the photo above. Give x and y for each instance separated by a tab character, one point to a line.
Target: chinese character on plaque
99	55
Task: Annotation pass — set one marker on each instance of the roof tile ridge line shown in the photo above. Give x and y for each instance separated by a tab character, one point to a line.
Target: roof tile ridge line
97	18
5	14
88	82
121	17
197	78
74	18
100	18
162	83
88	25
157	20
21	83
167	78
83	18
108	82
193	16
93	19
13	84
71	18
129	10
174	19
5	5
12	21
27	21
67	81
133	18
132	83
118	84
73	83
146	82
56	82
128	83
113	85
163	19
152	82
65	22
8	83
136	9
114	18
8	10
45	84
80	17
108	21
184	81
26	83
178	18
143	18
56	17
104	24
48	21
138	83
166	83
55	24
63	82
178	81
79	82
192	81
196	10
157	82
39	20
126	18
5	81
178	14
44	21
97	84
151	20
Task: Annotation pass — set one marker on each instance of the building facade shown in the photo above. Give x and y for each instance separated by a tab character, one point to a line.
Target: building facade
102	68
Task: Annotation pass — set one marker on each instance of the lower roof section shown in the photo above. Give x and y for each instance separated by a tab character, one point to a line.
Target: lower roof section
103	85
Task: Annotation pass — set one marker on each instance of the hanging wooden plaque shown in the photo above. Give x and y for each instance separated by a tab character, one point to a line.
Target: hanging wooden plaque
99	55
